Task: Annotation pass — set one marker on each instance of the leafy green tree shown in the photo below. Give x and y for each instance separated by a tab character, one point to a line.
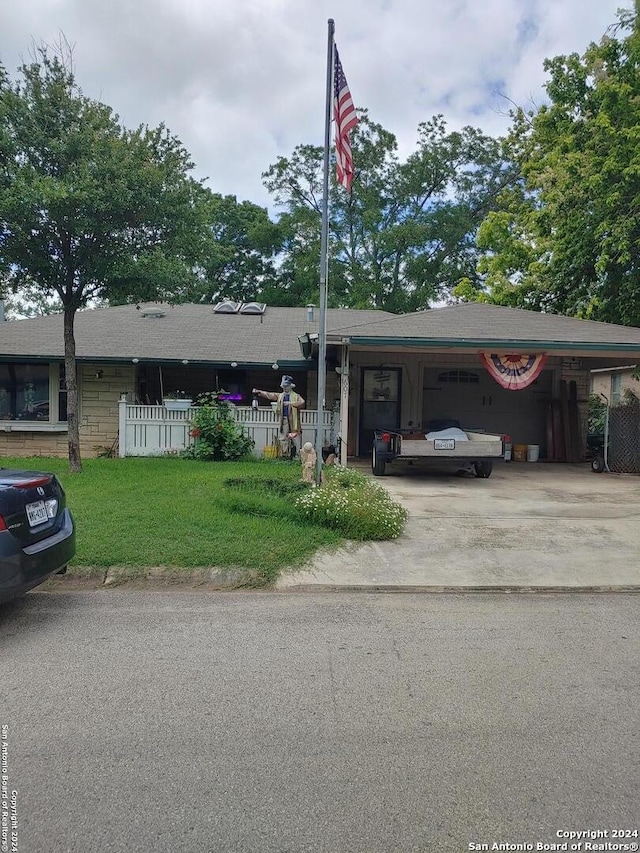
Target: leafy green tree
239	259
571	241
406	233
88	209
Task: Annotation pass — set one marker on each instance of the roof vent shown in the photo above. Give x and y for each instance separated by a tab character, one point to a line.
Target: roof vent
227	306
253	308
154	313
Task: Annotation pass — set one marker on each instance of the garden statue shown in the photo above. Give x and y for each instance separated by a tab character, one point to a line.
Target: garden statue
308	458
288	408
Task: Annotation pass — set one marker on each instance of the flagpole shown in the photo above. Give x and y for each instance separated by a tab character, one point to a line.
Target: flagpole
324	244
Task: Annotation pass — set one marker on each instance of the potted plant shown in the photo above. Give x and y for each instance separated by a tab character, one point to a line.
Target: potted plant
177	401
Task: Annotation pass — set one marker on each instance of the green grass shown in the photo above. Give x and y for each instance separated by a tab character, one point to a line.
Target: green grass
180	513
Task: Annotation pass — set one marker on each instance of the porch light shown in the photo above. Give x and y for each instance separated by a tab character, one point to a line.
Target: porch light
275	365
234	364
304	342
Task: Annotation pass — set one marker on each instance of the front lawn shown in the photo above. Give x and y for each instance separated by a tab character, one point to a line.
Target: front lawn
175	512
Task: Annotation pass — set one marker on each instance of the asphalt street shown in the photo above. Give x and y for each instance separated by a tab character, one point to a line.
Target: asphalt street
199	722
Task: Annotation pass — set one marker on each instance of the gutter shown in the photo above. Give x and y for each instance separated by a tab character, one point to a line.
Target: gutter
493	345
288	364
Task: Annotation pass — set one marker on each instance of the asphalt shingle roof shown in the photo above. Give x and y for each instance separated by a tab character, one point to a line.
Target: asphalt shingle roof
476	321
196	333
192	332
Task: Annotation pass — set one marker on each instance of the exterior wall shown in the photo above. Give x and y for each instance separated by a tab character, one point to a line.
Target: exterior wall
16	443
99	388
601	382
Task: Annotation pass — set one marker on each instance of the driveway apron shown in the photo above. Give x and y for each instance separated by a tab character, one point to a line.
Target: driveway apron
530	526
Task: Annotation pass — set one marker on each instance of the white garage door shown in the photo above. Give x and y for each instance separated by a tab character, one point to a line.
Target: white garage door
471	396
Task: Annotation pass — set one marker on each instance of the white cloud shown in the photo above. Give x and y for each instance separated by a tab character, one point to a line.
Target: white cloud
242	82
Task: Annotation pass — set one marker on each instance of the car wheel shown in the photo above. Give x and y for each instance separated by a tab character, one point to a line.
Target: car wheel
377	464
483	469
597	465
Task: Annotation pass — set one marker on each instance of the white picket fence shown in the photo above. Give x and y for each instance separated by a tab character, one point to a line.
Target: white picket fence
155	431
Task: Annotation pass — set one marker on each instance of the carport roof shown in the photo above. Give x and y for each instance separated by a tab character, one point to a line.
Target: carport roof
480	325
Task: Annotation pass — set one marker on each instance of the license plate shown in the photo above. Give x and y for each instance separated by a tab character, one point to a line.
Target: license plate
36	513
444	443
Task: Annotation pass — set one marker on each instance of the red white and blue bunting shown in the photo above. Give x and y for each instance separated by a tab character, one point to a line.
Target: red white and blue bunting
514	372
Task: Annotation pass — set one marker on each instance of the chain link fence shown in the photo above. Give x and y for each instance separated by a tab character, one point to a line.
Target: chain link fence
624	437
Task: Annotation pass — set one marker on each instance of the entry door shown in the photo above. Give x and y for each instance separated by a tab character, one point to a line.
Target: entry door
379	403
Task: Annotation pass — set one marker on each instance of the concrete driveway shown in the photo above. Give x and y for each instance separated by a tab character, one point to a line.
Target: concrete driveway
529	526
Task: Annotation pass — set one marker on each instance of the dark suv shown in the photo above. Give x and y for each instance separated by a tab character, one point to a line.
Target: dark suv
37	535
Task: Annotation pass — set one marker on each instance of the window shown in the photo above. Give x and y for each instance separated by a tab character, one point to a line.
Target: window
458	376
25	392
616	388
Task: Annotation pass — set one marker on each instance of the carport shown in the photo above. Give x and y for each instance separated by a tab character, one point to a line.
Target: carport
400	372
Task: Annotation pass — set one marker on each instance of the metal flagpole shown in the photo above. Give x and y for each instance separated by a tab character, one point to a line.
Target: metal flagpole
324	241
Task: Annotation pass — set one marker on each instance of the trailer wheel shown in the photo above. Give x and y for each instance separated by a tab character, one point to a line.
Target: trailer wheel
597	464
377	464
483	468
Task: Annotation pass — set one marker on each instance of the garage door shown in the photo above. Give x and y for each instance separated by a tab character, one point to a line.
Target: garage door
471	396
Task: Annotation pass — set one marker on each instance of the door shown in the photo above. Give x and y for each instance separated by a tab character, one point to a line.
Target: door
379	403
472	397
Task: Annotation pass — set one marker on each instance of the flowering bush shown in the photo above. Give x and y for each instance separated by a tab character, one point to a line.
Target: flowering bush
216	435
353	505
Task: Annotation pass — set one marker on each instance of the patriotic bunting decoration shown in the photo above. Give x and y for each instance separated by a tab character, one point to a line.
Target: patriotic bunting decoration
514	372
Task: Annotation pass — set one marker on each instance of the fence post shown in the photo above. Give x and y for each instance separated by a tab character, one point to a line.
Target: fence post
122	426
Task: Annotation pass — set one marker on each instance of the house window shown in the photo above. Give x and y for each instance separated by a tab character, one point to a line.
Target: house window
616	388
25	393
458	376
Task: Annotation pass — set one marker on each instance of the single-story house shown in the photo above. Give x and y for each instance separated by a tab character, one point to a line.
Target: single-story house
383	370
612	382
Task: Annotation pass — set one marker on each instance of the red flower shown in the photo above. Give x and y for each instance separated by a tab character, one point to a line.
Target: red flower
195	432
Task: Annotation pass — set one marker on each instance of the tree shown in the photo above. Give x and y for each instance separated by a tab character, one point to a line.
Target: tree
88	209
239	257
406	233
571	243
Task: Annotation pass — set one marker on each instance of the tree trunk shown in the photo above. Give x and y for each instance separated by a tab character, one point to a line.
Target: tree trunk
75	462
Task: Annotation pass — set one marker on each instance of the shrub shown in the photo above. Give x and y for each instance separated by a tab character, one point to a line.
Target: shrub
353	505
597	414
216	435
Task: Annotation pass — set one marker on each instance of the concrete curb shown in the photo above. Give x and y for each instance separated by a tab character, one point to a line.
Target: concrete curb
158	576
230	580
448	590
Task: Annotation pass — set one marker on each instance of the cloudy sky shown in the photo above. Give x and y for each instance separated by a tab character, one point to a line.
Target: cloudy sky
241	82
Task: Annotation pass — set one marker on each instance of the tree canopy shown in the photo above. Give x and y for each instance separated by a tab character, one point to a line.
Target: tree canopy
89	209
567	235
406	233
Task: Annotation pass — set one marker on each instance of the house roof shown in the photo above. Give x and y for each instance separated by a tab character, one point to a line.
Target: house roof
477	324
197	334
192	332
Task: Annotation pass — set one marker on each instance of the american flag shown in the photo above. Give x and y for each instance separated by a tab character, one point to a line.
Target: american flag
344	114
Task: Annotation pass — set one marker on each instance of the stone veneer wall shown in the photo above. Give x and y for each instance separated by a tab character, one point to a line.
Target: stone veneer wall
98	416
